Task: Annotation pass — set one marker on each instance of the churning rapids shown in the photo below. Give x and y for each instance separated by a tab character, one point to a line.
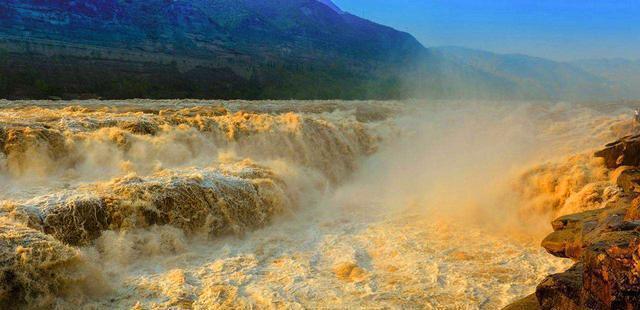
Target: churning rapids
205	205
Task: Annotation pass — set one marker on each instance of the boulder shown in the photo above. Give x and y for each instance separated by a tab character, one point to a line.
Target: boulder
627	178
561	291
633	213
528	303
605	245
611	277
624	152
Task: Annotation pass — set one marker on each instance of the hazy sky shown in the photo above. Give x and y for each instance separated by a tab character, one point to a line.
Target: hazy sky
556	29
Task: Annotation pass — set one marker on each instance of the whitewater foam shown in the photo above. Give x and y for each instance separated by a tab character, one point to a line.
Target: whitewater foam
201	205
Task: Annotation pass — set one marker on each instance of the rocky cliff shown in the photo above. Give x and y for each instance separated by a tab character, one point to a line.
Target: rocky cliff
604	243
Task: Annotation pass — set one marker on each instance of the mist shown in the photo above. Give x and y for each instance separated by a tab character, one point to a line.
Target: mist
368	204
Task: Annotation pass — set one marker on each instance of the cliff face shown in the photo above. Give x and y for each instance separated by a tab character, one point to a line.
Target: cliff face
604	243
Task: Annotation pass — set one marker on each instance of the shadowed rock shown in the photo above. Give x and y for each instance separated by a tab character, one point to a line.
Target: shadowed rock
528	303
624	152
627	178
607	277
605	243
561	291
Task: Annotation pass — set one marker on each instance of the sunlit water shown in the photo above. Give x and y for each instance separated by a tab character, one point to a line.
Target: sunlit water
308	204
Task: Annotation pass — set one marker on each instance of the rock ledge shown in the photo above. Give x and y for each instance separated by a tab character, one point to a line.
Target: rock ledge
604	243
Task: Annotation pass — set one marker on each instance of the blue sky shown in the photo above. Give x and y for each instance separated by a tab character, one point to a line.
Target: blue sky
560	29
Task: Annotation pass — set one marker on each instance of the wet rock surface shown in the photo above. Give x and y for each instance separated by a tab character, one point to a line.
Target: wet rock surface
624	152
604	243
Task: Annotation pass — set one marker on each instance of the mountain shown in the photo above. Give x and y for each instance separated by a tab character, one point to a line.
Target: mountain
623	72
520	76
303	49
300	29
196	48
332	6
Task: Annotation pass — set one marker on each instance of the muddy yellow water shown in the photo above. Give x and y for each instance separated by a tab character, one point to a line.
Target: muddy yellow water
209	204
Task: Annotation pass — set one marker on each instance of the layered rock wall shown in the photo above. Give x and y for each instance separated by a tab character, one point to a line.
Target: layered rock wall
604	243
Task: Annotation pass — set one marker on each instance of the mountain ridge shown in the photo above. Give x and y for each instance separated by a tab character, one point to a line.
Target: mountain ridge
201	28
268	49
534	77
623	72
331	5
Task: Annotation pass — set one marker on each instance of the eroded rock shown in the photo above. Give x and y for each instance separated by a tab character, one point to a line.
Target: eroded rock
607	276
612	273
528	303
624	152
561	291
605	243
627	178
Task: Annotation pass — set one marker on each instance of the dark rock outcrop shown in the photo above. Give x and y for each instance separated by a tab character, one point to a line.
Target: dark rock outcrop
624	152
627	178
561	291
527	303
604	243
